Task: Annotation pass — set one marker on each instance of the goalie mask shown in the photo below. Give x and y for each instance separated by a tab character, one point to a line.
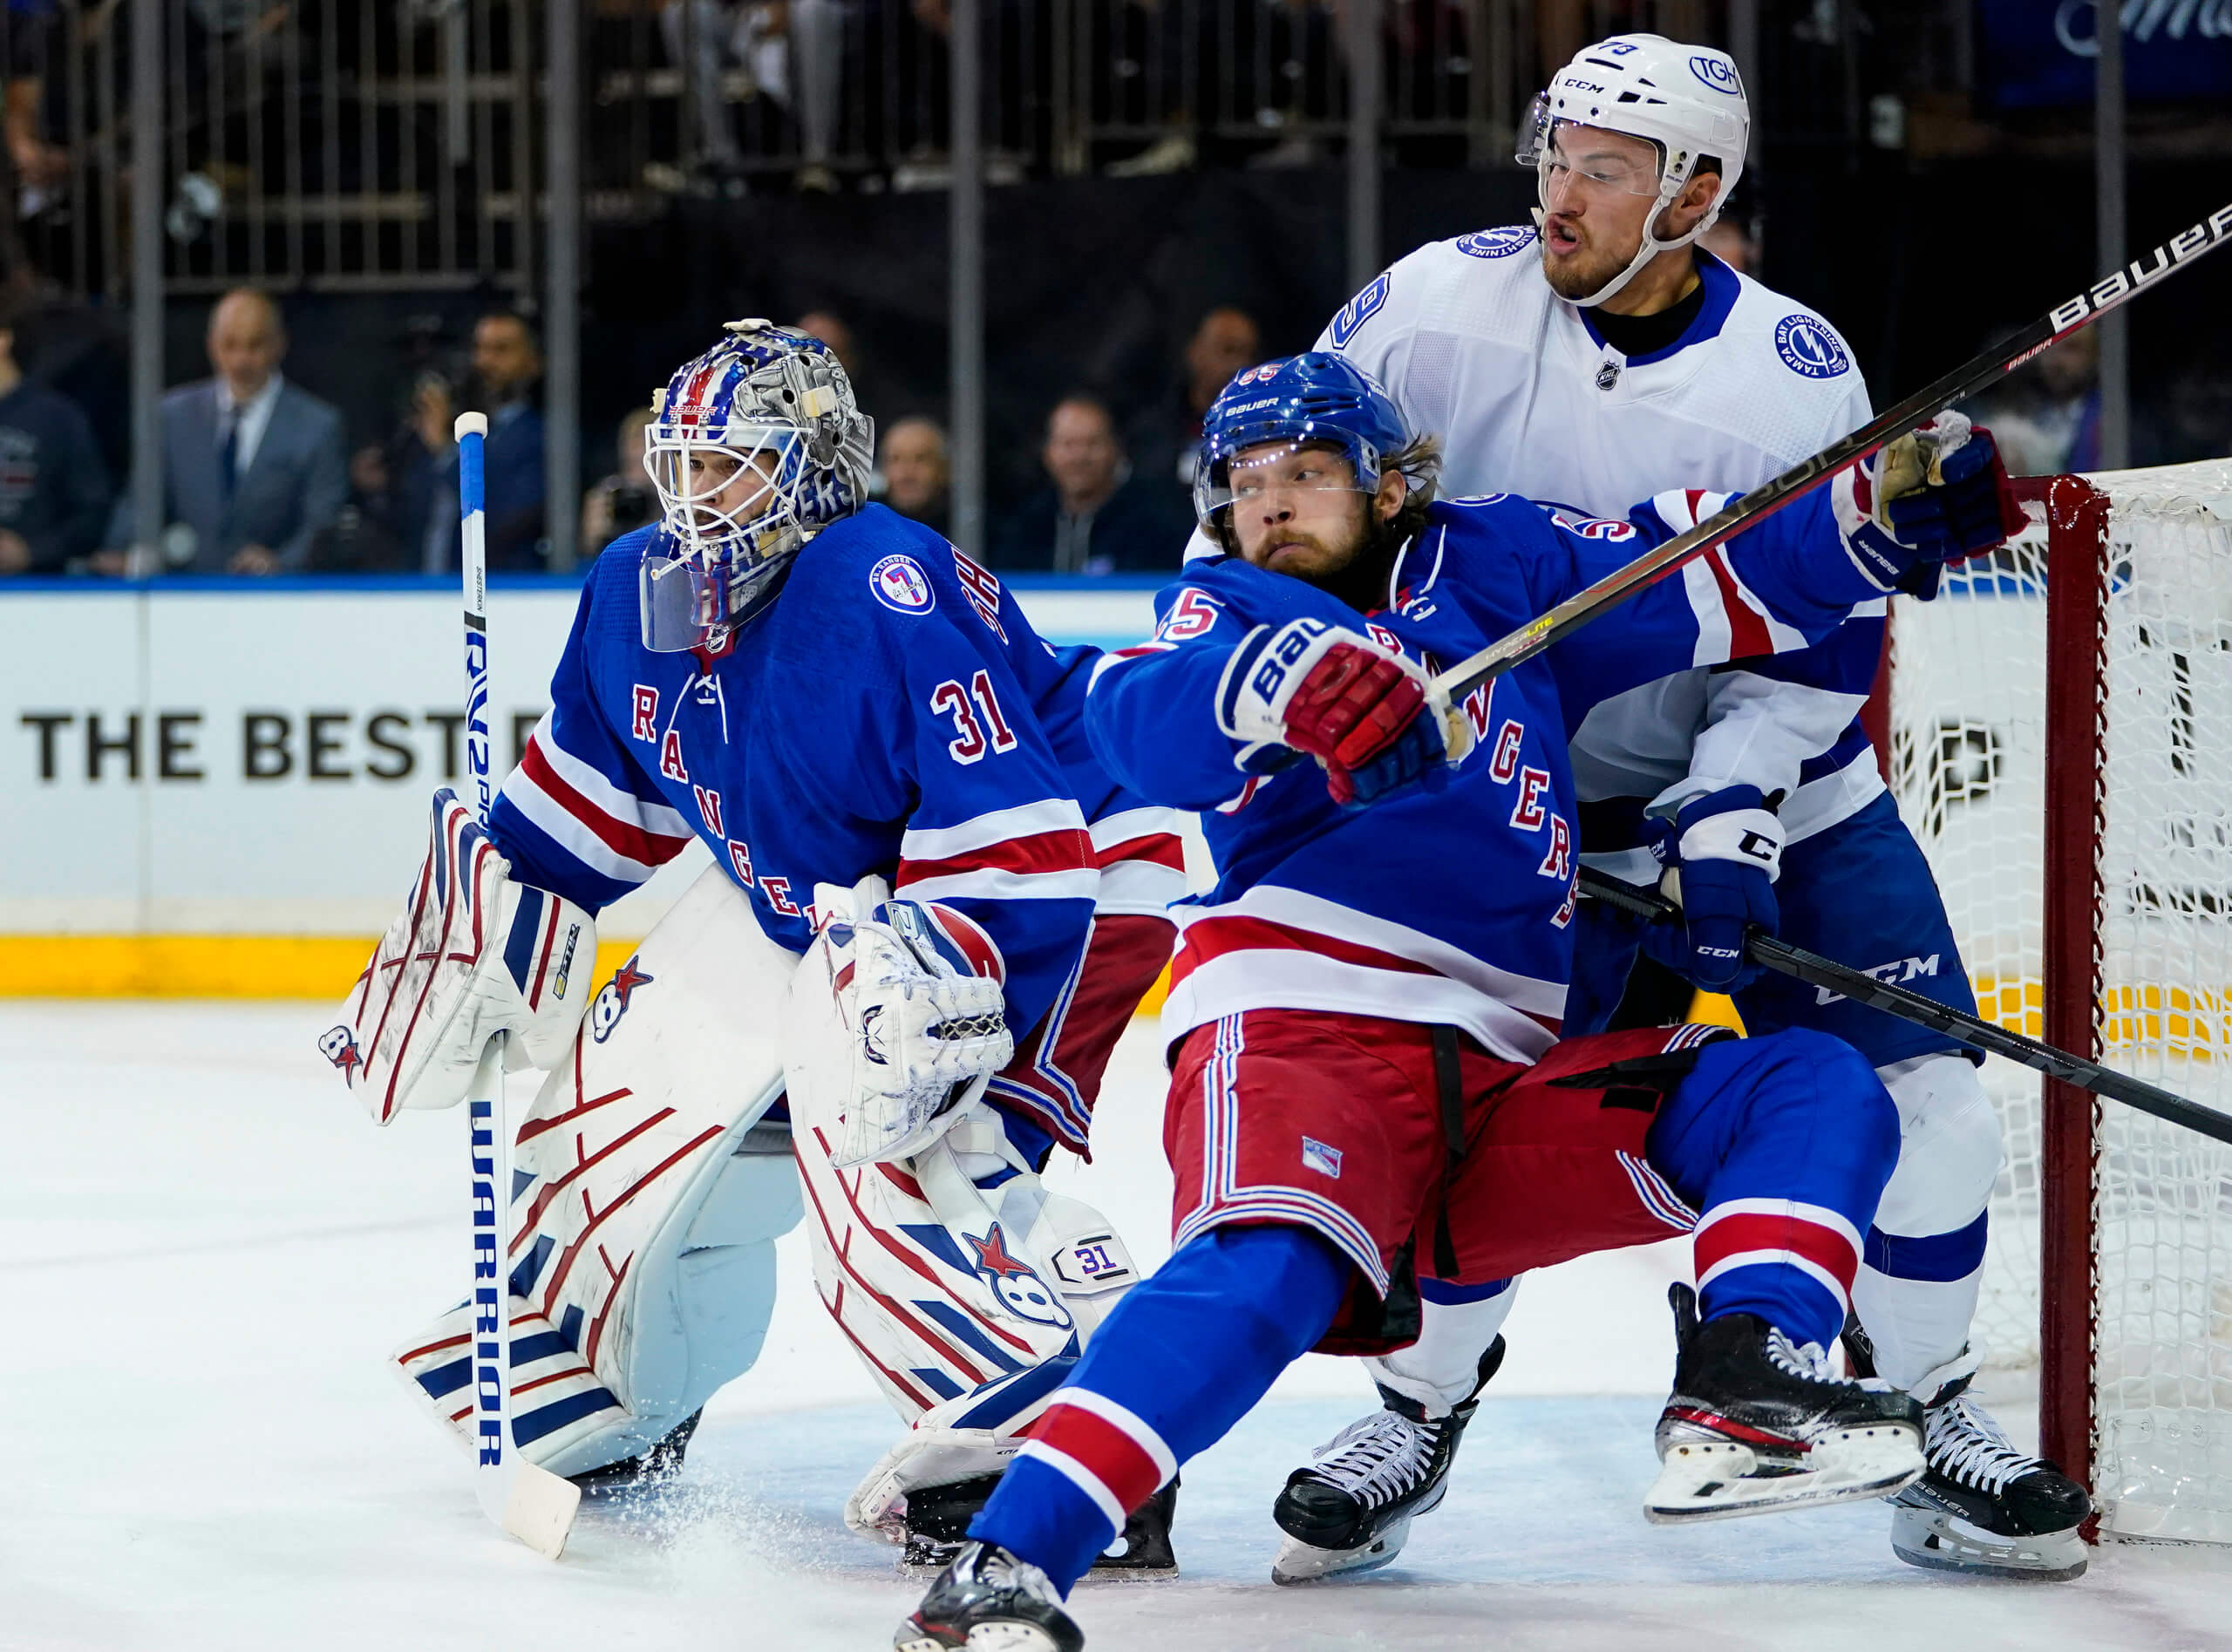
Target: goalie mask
1686	101
754	447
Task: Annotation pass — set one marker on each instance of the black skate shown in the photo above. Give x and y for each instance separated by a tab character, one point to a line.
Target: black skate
1350	1511
988	1600
1983	1507
1756	1425
938	1517
662	1462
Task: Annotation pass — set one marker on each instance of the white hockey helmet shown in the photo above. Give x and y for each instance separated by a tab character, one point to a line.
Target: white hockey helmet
1686	100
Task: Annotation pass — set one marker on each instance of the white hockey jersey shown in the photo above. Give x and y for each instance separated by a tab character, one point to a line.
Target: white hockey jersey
1529	398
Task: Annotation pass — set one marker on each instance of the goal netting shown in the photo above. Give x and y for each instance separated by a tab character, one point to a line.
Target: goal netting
2061	744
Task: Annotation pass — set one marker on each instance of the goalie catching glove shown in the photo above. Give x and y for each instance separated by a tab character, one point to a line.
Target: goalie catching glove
898	1022
1372	719
472	955
1935	495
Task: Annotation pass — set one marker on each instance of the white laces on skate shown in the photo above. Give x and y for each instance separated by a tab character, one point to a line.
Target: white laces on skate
995	1568
1807	1360
1963	1443
1376	1459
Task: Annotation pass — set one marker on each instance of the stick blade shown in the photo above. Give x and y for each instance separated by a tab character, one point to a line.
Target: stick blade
539	1509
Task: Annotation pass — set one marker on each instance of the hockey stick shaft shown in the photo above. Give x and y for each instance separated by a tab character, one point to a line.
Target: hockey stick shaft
492	1351
1752	508
1817	971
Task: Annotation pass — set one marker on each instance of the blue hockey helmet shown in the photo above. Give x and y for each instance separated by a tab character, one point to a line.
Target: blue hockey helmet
1311	400
754	447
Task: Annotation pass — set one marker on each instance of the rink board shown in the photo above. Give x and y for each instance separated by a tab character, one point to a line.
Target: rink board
221	787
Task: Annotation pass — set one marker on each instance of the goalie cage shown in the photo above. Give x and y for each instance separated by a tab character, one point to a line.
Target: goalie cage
2059	729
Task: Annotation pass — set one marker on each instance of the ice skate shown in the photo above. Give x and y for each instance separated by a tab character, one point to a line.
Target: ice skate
1350	1510
1756	1425
663	1462
1983	1507
988	1600
937	1529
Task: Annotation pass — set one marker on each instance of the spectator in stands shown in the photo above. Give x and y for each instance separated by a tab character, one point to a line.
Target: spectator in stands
1162	440
1093	517
253	468
917	472
622	501
54	490
2046	418
410	485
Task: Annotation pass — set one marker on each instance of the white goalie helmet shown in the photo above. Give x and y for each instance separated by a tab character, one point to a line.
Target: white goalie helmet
754	447
1688	101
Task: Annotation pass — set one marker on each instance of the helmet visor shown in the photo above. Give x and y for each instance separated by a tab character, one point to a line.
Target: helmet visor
1258	473
1598	158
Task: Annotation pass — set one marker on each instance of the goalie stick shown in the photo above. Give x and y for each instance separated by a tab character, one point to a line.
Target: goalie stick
1763	501
532	1503
1817	971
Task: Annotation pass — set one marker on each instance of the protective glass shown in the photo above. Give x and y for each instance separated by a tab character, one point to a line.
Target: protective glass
1549	144
1256	471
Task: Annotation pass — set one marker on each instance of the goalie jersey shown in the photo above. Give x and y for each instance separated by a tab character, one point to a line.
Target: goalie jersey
891	712
1451	902
1528	396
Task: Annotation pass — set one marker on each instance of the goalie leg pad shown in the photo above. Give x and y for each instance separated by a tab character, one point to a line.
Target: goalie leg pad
643	1266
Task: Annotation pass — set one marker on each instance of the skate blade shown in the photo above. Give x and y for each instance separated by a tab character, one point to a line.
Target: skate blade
985	1638
1941	1542
1723	1480
1300	1563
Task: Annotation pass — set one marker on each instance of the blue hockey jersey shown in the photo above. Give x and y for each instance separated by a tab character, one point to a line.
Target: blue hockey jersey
891	712
1453	904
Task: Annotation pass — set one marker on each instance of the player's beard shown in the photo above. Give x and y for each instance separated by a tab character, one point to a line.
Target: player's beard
1578	275
1361	582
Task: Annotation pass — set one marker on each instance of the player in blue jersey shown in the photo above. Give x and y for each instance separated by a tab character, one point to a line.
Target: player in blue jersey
1369	1091
892	775
1596	360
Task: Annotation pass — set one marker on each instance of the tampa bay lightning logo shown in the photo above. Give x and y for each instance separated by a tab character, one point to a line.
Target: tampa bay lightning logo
1359	310
1809	349
1716	74
612	1004
900	583
1018	1286
1499	242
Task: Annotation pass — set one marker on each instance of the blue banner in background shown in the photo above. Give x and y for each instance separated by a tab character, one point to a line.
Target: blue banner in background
2041	53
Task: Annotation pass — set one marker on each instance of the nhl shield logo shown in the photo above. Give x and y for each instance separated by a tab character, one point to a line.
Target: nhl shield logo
1608	375
900	584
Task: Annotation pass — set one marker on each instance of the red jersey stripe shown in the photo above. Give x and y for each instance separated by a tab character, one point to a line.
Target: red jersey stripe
1068	850
622	837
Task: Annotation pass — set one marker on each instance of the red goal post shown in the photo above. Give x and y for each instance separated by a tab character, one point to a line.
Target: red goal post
2058	731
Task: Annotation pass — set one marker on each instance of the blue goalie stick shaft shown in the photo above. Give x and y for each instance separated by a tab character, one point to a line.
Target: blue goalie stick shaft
1812	968
2073	314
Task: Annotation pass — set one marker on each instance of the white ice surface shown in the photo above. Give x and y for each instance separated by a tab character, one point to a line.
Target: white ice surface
209	1248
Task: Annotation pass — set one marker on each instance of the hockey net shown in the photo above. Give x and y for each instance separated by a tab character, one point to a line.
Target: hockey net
2060	733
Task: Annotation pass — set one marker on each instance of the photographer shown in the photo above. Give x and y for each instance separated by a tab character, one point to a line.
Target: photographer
621	502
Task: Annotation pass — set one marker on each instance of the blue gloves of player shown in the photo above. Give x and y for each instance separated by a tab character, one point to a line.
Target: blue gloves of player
1937	496
1721	853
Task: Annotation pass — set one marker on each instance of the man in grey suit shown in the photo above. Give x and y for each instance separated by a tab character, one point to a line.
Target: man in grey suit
253	468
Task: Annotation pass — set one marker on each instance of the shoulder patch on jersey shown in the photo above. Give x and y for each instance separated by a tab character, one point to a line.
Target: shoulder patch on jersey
1809	349
1361	308
900	584
1499	242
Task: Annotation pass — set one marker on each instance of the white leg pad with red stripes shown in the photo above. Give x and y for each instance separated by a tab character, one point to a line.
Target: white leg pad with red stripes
969	1304
645	1236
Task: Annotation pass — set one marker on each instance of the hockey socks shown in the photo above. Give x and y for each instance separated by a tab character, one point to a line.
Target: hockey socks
1784	1145
1184	1356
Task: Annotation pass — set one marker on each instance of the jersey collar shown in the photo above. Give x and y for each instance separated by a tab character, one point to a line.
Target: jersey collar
1721	285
